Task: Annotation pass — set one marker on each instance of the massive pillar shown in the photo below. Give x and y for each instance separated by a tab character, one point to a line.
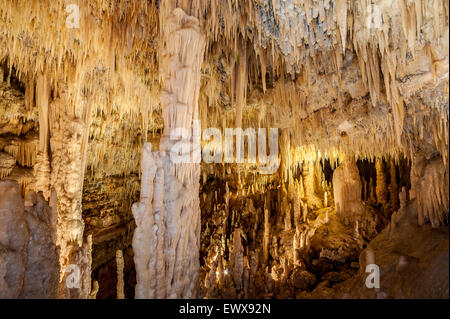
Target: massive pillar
59	176
167	239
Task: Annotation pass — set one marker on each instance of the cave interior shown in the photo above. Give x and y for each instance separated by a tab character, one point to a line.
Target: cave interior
224	149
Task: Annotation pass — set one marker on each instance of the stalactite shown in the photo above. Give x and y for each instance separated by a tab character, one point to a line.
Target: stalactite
94	290
356	230
341	14
241	82
42	101
7	164
403	198
42	168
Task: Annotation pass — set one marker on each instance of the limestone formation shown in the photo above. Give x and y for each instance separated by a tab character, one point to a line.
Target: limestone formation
223	149
28	255
168	215
432	192
347	189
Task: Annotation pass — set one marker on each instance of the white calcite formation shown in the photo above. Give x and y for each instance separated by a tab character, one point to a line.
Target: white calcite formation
350	208
237	259
167	239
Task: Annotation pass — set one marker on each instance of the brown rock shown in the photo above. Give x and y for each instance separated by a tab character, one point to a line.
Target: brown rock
335	277
303	280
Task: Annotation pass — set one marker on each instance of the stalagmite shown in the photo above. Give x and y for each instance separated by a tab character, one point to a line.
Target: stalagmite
147	232
356	232
311	189
94	290
347	189
286	208
120	283
302	239
237	259
220	279
7	163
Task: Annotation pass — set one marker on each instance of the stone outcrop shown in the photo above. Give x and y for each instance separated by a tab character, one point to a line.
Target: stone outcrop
29	266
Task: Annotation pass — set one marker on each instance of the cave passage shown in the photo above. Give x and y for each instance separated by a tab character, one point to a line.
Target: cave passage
254	149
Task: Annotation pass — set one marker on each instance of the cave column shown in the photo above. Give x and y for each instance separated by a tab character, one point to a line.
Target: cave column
59	172
166	242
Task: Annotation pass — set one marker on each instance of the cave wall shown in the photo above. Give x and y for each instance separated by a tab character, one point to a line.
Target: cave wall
29	266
